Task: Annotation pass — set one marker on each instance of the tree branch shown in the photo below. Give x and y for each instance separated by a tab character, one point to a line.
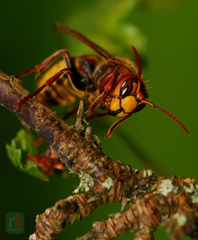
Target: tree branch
170	202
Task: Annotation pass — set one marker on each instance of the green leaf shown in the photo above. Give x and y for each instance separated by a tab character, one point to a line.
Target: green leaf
21	147
14	154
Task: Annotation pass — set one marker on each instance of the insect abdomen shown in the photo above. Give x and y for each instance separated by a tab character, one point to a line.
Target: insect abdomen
61	92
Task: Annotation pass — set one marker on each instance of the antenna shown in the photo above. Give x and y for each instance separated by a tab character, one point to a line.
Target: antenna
139	69
167	113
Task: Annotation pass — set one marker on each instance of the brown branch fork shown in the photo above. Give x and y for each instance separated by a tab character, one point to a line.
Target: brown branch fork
168	202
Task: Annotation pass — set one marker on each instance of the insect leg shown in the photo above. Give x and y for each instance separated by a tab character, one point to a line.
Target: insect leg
112	77
47	83
97	115
111	129
42	66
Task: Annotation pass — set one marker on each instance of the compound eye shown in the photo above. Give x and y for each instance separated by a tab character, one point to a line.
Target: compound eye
127	87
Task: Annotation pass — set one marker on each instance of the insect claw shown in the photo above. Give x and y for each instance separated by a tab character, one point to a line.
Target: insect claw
18	105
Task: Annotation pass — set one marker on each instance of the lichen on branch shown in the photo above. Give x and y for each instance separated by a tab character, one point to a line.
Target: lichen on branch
169	202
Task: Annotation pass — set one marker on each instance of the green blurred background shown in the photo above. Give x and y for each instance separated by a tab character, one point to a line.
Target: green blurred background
165	34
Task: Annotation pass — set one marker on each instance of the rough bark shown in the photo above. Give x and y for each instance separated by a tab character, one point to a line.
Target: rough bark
170	202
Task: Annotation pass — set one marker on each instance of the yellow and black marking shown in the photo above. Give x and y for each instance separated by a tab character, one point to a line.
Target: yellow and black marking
62	91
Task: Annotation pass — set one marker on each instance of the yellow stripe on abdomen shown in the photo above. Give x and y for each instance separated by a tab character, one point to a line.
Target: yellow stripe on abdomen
62	91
